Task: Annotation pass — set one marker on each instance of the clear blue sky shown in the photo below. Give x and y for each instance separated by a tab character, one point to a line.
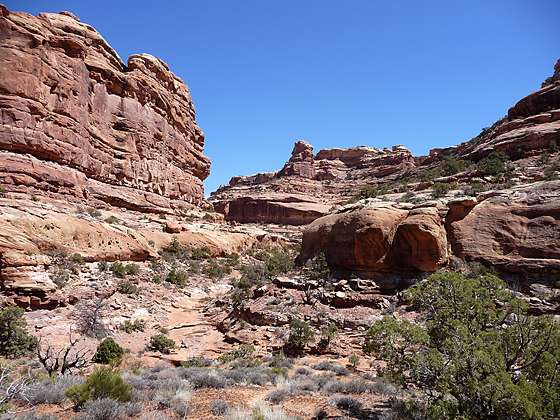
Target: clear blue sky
337	73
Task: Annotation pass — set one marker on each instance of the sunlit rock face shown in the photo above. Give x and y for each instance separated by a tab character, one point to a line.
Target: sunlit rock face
75	120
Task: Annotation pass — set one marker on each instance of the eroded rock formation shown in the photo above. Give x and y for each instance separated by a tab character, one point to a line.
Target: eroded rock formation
75	120
308	185
516	231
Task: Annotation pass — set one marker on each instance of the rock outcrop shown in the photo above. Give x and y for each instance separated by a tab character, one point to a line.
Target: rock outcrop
530	126
308	185
516	231
75	120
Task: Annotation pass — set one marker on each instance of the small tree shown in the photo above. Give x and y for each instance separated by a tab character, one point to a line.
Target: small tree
108	352
479	355
15	341
89	317
300	336
161	343
63	360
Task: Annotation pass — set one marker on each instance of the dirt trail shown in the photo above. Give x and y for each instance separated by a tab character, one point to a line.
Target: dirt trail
190	328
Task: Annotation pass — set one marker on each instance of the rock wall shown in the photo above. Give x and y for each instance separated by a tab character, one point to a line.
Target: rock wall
516	231
75	120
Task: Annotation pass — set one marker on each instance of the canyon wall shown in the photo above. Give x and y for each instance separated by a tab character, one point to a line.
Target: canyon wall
78	122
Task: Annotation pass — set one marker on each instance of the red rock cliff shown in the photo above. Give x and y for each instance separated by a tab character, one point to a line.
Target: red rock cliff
77	121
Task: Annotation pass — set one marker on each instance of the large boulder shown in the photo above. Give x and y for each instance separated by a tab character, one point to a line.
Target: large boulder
517	231
378	239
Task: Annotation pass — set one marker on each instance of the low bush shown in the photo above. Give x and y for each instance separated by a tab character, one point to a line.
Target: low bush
440	189
300	336
331	367
219	407
108	352
177	277
126	287
15	341
102	383
161	343
215	270
122	270
51	391
496	163
240	352
205	378
197	361
112	219
346	403
137	325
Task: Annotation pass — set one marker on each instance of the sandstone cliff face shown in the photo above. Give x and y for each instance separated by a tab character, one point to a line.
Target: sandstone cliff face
75	120
308	185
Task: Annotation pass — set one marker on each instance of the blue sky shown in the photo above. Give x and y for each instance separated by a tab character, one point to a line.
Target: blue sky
337	73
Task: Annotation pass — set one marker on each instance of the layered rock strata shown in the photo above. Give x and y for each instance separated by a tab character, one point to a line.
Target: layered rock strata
76	121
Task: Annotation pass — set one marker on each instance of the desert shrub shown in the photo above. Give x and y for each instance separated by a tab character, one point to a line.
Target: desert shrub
373	191
300	336
277	261
479	355
303	371
205	378
278	395
475	188
328	332
496	163
346	403
15	341
219	407
551	172
122	270
279	360
126	287
353	359
77	258
201	253
161	343
177	277
102	409
440	189
102	383
89	317
252	276
112	219
102	265
51	391
137	325
215	270
94	212
451	166
33	415
60	277
108	352
318	268
331	367
177	400
197	361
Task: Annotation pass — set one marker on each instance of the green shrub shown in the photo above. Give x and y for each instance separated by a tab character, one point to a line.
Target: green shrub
493	164
121	270
552	171
94	212
215	270
202	253
112	219
479	355
161	343
15	341
60	277
102	383
241	352
126	287
440	189
451	166
108	352
177	277
138	325
102	265
300	336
